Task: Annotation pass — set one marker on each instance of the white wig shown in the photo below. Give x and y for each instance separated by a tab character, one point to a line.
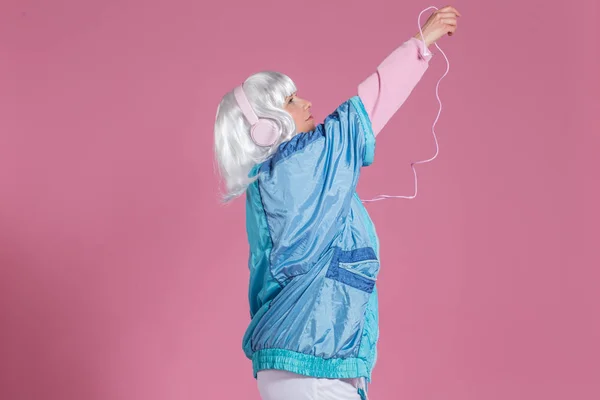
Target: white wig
236	154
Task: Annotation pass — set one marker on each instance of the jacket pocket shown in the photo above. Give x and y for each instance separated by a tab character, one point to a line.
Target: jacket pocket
356	268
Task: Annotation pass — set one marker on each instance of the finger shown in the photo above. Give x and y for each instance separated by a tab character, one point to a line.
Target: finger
450	8
451	30
446	15
449	21
453	9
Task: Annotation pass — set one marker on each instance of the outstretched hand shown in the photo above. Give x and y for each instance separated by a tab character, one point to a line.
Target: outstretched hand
443	21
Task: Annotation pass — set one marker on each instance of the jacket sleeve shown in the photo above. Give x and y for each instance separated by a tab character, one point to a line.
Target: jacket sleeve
385	90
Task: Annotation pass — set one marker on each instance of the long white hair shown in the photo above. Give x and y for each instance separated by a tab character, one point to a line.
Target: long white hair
236	154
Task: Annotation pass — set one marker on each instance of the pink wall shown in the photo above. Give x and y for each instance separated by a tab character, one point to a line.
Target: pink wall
122	278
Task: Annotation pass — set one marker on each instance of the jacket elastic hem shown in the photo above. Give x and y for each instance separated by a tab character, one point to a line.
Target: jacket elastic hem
309	365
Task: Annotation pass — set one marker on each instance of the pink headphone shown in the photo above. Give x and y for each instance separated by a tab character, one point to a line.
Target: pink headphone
264	132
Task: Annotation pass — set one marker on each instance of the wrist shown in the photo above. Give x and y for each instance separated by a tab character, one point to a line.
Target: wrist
419	37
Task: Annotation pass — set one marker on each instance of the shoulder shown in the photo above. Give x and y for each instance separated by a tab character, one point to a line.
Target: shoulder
349	117
354	106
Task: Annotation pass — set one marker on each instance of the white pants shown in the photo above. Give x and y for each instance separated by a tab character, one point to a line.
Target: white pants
283	385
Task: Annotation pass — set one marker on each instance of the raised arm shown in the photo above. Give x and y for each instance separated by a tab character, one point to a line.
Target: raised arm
385	90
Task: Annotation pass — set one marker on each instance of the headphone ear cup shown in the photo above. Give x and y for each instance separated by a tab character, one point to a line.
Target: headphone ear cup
265	132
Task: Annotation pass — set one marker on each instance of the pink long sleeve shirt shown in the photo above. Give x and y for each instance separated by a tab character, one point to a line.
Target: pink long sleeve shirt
384	91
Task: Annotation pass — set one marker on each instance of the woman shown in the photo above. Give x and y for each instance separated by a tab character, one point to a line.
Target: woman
314	253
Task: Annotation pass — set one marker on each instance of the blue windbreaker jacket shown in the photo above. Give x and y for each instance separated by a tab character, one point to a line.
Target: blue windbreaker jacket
314	253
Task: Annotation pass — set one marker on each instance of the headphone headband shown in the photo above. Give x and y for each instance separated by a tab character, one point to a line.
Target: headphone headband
244	104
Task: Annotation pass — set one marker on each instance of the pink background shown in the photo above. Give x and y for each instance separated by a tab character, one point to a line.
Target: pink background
123	278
